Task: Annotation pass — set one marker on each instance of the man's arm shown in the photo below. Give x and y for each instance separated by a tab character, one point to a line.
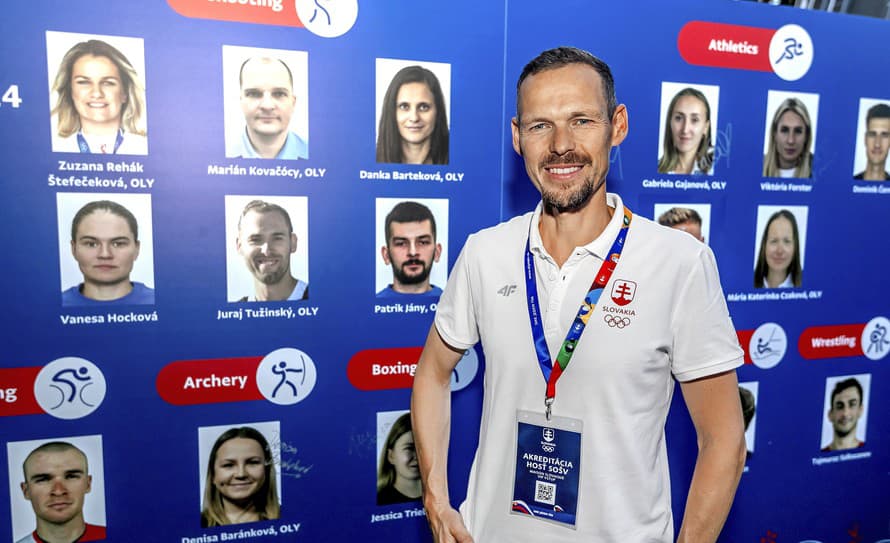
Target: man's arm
713	402
431	423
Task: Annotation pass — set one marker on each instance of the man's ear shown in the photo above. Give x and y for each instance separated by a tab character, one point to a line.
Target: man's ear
438	252
384	252
619	125
514	128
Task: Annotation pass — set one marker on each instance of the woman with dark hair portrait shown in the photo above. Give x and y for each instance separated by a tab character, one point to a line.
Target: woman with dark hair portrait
240	483
101	102
778	261
398	479
413	121
791	135
687	135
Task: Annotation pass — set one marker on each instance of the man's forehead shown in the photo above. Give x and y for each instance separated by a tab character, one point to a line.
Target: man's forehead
574	84
411	228
848	393
264	220
879	123
264	73
48	461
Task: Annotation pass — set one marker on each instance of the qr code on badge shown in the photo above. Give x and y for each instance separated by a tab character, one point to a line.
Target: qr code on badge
545	492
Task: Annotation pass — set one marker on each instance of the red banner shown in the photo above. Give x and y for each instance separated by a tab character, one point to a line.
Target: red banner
381	369
835	341
725	46
219	380
266	12
17	392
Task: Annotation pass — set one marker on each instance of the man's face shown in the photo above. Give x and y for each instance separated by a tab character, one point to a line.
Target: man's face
104	248
791	135
877	141
267	99
265	243
415	112
846	408
55	484
411	251
96	90
692	228
564	134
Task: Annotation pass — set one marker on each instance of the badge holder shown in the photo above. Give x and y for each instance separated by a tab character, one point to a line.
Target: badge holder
548	467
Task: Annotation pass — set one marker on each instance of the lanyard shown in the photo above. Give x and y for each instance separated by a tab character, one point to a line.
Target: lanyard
85	147
551	369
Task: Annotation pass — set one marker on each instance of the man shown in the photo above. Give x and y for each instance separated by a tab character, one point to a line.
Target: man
877	143
267	101
844	412
266	239
56	482
662	316
411	250
105	244
683	218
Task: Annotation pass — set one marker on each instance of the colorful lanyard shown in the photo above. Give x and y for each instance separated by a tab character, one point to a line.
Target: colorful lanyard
552	371
85	147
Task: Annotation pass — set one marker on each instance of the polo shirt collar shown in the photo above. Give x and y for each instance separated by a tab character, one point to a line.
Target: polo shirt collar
598	247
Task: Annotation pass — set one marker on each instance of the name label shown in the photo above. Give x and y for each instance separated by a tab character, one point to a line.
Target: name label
773	295
110	318
684	184
243	313
397	515
410	307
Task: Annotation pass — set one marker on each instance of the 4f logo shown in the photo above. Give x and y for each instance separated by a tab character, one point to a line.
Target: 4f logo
623	292
507	290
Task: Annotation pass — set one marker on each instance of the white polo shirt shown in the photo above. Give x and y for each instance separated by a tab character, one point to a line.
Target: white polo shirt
673	323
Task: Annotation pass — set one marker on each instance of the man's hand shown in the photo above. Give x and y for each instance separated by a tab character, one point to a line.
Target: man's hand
447	526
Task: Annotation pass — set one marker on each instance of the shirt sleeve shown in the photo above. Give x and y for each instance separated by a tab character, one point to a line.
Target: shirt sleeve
456	312
705	341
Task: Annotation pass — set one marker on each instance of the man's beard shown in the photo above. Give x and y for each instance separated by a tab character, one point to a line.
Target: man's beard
403	278
842	433
564	201
272	277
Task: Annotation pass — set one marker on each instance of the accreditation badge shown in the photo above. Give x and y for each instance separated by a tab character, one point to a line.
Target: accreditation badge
548	468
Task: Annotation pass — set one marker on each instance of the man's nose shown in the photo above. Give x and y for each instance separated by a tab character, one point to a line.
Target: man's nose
562	140
59	488
266	102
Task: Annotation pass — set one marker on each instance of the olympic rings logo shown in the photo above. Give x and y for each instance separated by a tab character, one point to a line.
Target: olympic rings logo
616	322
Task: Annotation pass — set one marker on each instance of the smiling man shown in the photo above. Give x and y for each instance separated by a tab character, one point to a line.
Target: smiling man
268	102
105	244
411	249
651	300
56	483
266	241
